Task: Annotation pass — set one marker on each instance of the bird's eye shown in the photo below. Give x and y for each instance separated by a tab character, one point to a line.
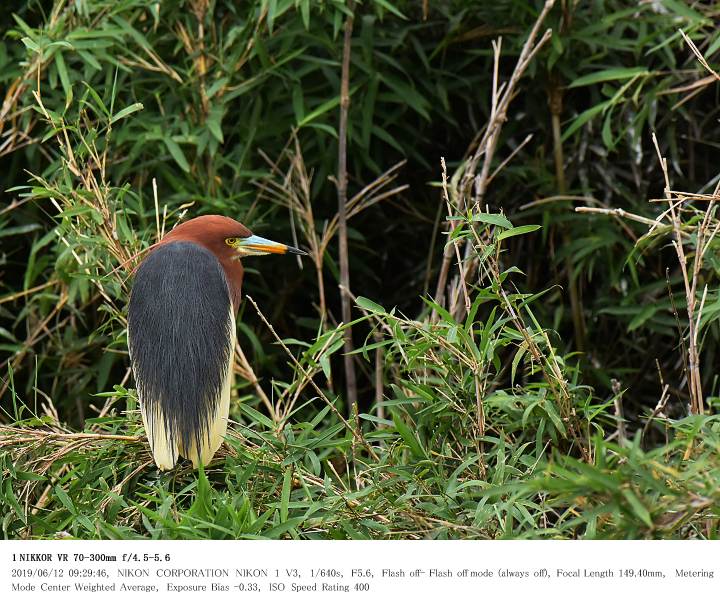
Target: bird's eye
231	241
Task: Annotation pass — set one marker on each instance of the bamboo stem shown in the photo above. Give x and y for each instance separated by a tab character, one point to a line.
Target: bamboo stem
350	378
575	303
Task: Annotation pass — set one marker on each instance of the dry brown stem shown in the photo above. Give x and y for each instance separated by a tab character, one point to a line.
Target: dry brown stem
342	180
291	186
470	183
11	436
690	280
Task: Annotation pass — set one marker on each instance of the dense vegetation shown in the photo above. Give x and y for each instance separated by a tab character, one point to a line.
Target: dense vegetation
535	301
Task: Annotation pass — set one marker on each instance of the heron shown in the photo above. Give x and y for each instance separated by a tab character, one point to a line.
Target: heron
181	334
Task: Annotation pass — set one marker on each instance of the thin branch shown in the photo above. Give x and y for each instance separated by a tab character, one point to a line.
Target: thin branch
350	379
484	147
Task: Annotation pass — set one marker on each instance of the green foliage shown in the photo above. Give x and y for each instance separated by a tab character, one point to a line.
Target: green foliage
120	119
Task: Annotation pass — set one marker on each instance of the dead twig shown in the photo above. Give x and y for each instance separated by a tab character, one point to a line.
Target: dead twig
468	177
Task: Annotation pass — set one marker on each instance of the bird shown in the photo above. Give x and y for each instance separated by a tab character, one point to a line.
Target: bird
181	334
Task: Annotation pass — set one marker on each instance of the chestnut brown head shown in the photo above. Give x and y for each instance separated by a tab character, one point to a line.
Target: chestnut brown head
229	241
225	237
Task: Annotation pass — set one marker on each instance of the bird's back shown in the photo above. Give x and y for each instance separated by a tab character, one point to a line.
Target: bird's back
181	336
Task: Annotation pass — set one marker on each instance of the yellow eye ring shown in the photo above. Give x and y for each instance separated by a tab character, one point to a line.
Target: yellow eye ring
231	241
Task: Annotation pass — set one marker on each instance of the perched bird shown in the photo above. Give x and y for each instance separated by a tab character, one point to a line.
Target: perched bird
181	334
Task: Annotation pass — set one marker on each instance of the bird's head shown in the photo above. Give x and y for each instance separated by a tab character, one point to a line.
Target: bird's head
228	239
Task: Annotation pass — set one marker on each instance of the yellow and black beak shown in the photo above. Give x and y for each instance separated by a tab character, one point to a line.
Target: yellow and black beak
256	245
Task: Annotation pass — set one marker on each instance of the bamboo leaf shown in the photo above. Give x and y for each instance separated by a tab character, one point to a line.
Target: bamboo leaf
369	305
517	231
123	113
65	499
285	495
177	154
606	75
64	78
389	7
408	437
584	118
320	110
491	219
638	507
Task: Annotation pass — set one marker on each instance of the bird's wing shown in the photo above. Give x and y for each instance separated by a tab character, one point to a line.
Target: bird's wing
181	336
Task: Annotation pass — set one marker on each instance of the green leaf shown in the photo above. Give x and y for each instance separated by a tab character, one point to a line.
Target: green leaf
407	95
305	13
606	75
517	231
28	476
368	110
62	43
492	219
64	78
522	349
298	103
606	132
213	122
96	97
682	9
216	86
20	229
389	7
126	112
65	499
90	59
271	13
201	505
638	507
325	365
257	416
549	407
585	117
326	128
320	110
177	154
285	495
384	135
29	43
408	437
646	313
369	305
712	49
